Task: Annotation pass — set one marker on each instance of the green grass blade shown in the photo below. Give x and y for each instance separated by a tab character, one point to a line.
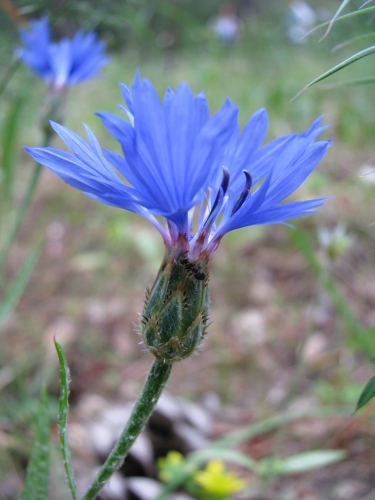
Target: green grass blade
350	41
63	418
18	285
36	482
342	18
21	212
309	460
11	70
367	393
344	3
8	139
352	59
225	455
351	83
358	334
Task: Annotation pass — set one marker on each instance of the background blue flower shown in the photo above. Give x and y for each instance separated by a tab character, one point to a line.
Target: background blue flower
61	64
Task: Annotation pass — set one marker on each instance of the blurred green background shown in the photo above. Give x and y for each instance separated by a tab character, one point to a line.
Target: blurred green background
271	314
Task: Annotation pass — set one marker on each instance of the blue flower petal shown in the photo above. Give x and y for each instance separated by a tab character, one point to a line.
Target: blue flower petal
151	137
116	126
181	132
167	100
85	177
126	95
286	211
264	160
252	137
286	185
202	113
209	148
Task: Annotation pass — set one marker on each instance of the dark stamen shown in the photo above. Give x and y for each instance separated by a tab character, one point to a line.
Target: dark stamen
224	187
244	194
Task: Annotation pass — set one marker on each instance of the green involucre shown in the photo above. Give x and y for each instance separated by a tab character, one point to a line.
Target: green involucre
175	313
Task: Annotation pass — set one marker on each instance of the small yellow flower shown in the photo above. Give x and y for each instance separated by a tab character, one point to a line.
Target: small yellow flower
170	465
218	483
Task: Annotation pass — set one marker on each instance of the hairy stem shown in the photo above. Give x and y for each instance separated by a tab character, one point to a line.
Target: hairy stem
151	392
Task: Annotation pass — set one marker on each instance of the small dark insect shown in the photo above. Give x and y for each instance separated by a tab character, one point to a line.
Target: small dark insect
199	274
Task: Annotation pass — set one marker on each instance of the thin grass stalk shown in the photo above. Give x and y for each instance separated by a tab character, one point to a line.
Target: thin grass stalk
23	208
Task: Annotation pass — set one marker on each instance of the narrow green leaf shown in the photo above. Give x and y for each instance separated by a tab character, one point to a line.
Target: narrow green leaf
9	72
21	212
351	83
358	334
18	285
36	482
359	38
341	18
367	393
8	139
200	457
310	460
344	3
63	418
372	360
338	67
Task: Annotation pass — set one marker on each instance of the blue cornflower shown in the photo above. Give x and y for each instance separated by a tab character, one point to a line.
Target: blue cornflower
176	159
61	64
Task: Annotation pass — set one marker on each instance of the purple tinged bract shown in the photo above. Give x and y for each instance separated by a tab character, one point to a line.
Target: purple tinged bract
62	64
178	159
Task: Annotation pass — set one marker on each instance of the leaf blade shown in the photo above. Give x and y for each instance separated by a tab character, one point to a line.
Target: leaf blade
354	13
347	62
199	457
358	334
343	4
367	394
365	80
359	38
63	417
8	140
36	481
310	460
18	285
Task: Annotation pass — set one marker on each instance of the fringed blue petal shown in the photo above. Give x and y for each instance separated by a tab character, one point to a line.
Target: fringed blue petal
173	159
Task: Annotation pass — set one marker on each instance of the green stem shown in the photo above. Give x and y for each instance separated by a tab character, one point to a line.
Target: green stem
23	208
9	74
151	392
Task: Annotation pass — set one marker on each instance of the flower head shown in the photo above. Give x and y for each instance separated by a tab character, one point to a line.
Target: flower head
217	482
177	158
61	64
170	465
